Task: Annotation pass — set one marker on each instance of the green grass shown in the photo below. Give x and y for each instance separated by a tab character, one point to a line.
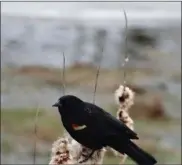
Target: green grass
7	146
21	122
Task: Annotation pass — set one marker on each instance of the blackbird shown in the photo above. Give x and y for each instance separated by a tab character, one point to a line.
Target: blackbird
95	128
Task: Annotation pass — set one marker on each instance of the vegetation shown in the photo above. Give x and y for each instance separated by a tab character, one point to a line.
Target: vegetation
21	122
80	74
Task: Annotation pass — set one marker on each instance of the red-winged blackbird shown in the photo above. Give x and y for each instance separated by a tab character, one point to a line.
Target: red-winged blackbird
94	128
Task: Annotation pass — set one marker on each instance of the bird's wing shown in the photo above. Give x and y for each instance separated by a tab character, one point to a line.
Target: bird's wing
101	116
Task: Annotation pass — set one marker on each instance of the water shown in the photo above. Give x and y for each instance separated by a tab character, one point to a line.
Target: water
41	42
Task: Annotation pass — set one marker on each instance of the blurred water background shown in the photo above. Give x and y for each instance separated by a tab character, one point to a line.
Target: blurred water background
33	37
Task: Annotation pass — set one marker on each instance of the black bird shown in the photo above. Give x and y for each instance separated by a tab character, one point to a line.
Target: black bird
95	128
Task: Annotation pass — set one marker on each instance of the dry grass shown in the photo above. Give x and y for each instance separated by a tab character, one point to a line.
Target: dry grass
82	75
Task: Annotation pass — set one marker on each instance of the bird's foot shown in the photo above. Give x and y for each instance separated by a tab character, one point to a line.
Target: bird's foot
88	157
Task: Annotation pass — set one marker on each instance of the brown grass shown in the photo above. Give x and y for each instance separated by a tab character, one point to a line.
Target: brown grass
82	75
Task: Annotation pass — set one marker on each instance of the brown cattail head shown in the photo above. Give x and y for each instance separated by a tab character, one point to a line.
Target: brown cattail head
66	150
124	97
60	153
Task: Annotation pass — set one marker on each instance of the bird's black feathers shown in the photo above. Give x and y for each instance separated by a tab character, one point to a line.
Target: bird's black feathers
133	151
99	114
97	128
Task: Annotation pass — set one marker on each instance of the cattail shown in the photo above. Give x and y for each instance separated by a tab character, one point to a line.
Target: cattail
124	97
60	153
66	150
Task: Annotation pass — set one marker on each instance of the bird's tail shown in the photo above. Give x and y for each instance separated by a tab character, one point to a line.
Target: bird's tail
140	156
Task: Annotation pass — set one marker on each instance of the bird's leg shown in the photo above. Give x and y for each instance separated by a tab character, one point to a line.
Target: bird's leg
88	157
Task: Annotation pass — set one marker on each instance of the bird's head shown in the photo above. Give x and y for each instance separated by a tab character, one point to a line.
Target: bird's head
69	103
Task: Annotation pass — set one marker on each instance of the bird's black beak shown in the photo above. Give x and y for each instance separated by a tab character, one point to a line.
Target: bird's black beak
57	104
